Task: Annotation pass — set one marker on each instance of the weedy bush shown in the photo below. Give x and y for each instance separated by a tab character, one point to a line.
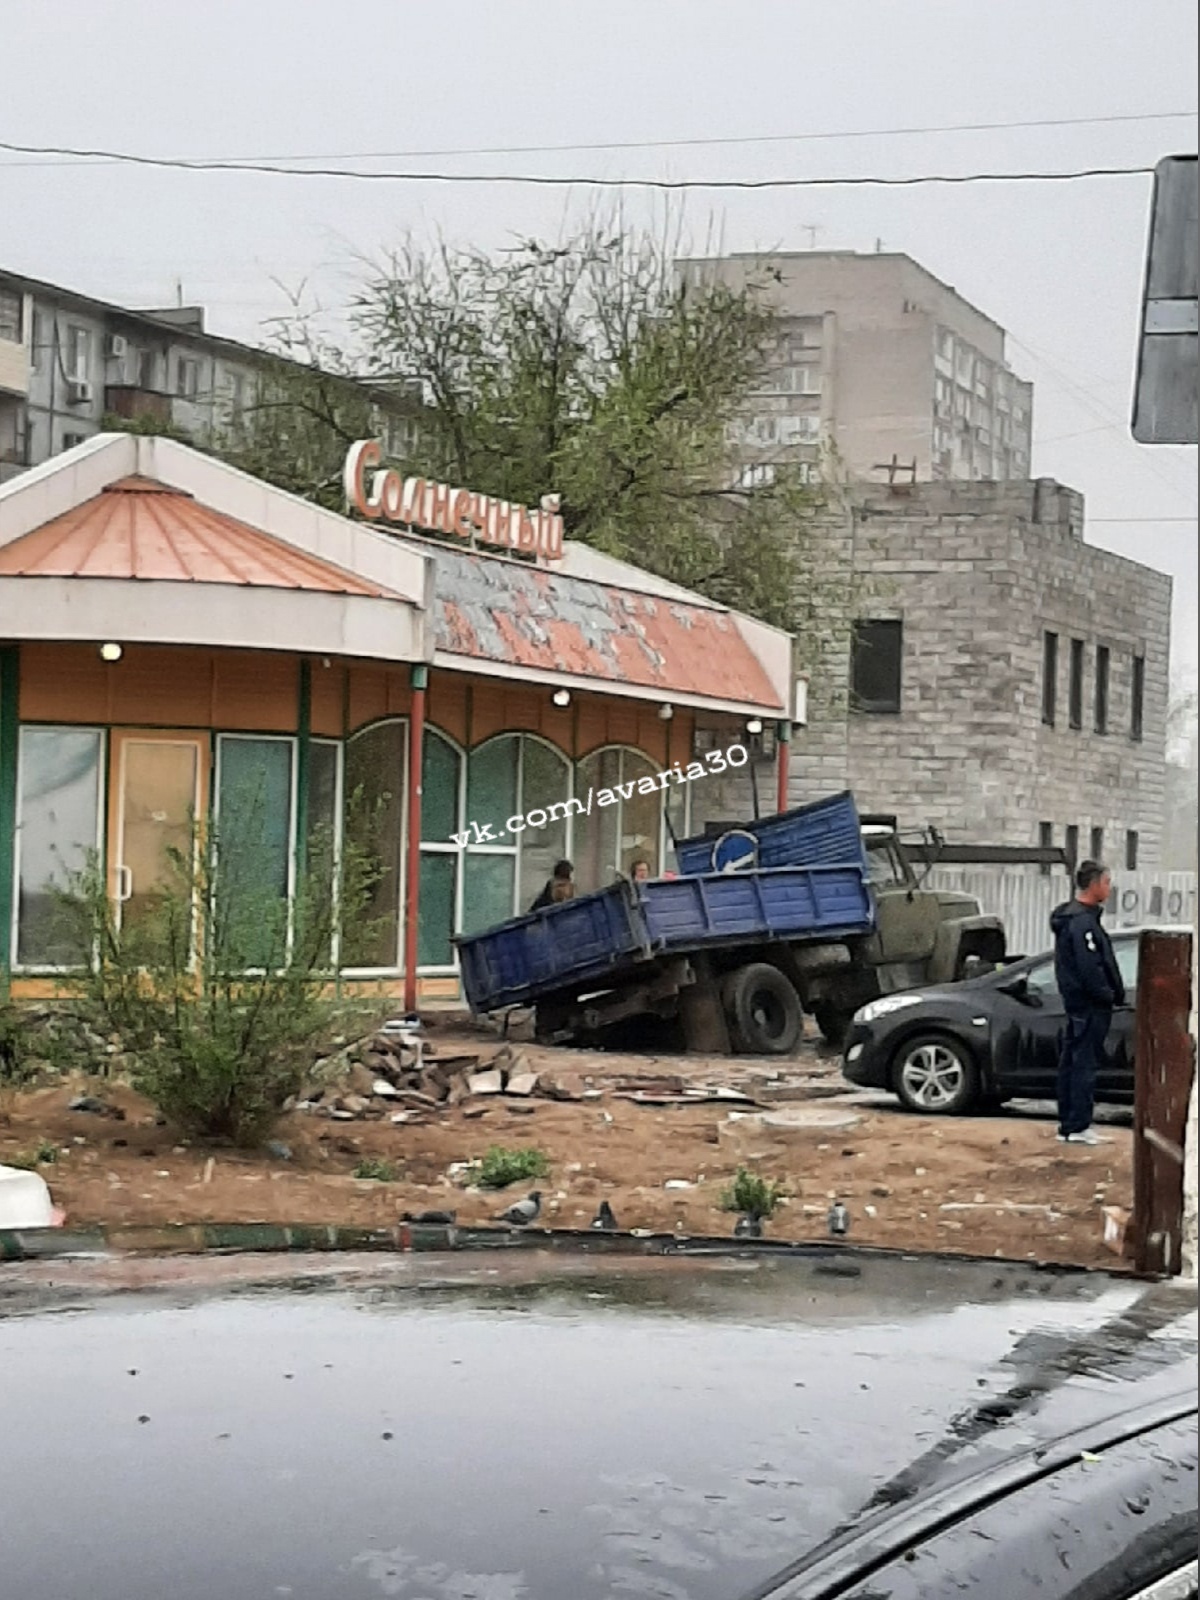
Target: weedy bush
216	984
373	1167
750	1195
501	1167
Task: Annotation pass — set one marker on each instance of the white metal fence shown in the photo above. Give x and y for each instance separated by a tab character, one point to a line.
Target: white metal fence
1024	898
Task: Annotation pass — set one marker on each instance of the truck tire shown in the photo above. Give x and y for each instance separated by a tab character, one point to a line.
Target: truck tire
833	1024
763	1010
935	1074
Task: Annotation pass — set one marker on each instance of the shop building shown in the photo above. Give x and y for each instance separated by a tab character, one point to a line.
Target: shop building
176	636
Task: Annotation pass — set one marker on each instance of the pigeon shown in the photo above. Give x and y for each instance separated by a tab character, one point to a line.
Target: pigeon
839	1219
748	1228
524	1211
430	1218
604	1218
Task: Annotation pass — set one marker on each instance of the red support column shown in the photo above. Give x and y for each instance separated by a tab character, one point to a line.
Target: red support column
412	870
783	756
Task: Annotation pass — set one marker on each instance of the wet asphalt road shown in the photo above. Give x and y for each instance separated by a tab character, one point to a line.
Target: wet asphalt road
461	1430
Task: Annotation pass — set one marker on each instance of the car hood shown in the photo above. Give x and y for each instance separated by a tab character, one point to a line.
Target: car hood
513	1426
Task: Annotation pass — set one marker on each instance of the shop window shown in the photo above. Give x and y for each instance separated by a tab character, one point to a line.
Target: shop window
255	790
374	821
58	824
514	774
323	844
441	817
876	652
613	837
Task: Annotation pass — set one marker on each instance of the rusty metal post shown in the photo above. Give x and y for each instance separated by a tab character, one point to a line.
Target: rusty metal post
1164	1066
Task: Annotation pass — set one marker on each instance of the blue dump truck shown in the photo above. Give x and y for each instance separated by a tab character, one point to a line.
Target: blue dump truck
814	909
716	953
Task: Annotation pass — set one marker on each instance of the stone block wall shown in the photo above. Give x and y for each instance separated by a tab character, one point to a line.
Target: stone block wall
978	572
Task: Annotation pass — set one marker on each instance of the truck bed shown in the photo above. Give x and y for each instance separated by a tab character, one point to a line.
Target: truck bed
823	833
602	938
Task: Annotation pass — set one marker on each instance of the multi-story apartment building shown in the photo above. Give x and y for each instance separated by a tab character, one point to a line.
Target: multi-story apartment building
1006	681
880	367
67	361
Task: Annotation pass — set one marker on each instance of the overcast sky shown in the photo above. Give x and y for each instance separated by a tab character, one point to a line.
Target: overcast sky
1059	265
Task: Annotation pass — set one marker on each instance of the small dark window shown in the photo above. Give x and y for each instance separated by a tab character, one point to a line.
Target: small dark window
1071	845
1102	672
1075	693
1049	678
875	657
1097	842
1137	699
1131	851
1046	841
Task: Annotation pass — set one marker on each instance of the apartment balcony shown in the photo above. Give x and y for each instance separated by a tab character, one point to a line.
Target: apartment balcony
14	367
137	405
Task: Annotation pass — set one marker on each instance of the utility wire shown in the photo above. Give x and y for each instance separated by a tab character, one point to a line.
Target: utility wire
546	180
714	142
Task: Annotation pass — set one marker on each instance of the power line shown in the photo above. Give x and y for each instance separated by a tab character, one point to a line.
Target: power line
546	180
710	142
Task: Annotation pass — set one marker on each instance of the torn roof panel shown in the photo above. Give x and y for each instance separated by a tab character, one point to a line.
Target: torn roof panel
505	611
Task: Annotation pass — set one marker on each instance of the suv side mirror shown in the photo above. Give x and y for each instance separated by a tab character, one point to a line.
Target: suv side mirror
1019	989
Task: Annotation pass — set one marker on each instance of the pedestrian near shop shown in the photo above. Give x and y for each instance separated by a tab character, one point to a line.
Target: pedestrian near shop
1089	982
559	886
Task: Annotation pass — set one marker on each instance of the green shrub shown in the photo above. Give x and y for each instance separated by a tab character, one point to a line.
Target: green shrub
218	988
373	1167
43	1154
500	1167
750	1195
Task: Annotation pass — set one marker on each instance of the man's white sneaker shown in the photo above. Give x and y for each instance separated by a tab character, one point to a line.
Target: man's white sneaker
1086	1137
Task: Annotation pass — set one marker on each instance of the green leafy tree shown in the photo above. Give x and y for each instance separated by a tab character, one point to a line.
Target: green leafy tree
591	369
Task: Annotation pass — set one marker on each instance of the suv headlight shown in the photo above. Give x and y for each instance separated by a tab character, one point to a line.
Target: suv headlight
885	1006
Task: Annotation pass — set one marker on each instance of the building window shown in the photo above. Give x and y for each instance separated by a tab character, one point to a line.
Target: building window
1102	674
1075	694
1046	841
78	353
1071	846
59	821
255	797
11	318
39	344
70	440
514	774
1137	699
876	655
616	835
1096	851
374	820
187	377
1131	850
1049	678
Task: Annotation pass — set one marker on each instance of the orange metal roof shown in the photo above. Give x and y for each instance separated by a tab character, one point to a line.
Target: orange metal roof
497	610
141	529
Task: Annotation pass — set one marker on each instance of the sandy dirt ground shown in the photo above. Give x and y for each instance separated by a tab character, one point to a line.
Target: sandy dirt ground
996	1185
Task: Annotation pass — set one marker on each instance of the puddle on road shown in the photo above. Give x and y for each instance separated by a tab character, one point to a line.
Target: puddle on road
671	1430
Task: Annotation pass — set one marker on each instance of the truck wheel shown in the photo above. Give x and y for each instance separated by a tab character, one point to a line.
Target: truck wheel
933	1073
832	1023
763	1010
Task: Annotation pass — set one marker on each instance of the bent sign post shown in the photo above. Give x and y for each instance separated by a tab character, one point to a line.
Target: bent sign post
381	494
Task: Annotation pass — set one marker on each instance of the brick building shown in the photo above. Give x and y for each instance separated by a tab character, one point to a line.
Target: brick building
1006	682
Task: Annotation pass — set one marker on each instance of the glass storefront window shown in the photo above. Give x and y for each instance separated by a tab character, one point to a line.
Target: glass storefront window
254	841
374	810
441	804
58	823
615	836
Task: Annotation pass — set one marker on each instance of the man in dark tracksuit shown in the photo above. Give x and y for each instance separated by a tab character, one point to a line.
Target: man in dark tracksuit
1089	981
